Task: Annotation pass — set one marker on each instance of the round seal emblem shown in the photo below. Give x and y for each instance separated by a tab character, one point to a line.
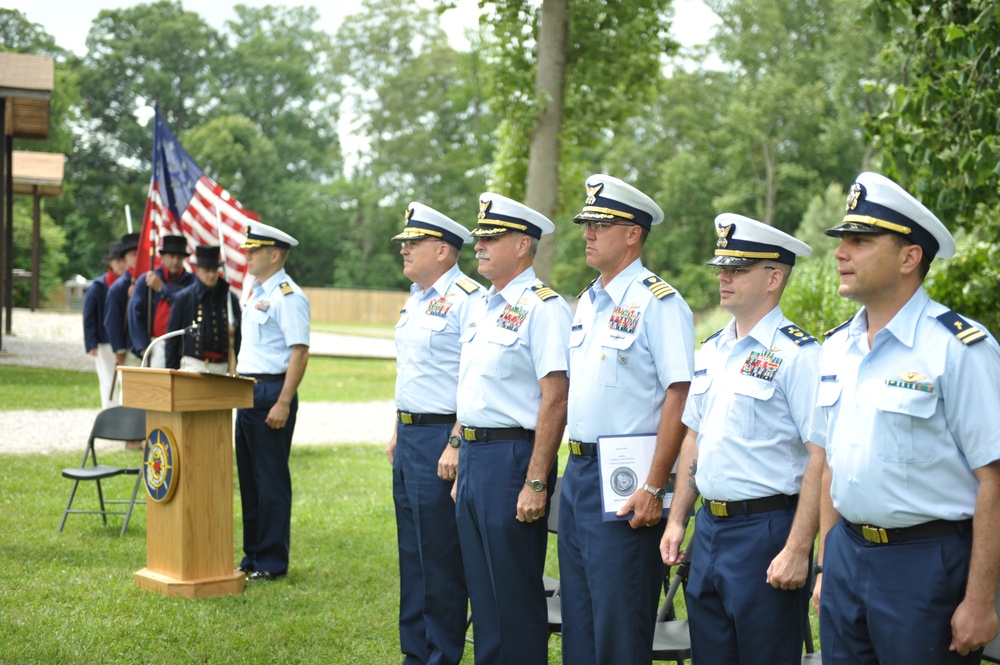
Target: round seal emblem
160	465
623	481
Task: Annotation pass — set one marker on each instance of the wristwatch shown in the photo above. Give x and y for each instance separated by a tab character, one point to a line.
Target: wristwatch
454	441
537	485
657	492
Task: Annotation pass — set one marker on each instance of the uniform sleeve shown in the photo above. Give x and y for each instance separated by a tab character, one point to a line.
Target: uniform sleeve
175	345
91	311
295	319
237	323
549	337
694	407
971	389
115	314
670	333
827	394
137	315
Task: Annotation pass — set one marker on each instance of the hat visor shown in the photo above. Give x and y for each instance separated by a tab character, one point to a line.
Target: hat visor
591	216
489	231
731	261
411	234
854	227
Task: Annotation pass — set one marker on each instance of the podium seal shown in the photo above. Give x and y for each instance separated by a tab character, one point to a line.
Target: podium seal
160	465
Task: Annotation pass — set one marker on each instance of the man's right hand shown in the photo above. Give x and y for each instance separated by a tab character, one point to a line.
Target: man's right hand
670	544
119	358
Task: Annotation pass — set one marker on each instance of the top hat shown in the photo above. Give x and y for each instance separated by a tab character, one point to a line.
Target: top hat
130	243
206	256
114	251
262	235
426	222
609	198
876	204
175	245
499	215
744	241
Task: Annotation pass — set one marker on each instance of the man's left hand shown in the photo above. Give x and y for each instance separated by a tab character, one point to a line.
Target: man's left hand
277	416
972	627
788	570
531	505
648	509
448	464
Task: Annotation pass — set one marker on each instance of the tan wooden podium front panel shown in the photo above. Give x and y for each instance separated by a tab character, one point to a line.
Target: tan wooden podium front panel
189	538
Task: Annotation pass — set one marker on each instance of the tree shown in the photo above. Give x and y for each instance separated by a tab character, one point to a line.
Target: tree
938	128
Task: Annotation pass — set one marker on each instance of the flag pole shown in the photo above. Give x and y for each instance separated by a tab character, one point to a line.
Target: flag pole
128	219
229	297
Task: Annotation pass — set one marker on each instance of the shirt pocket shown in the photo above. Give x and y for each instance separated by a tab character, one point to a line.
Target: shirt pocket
258	319
745	418
431	329
501	346
898	410
616	361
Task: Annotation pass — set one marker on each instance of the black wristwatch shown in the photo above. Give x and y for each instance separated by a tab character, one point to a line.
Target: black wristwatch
454	441
537	485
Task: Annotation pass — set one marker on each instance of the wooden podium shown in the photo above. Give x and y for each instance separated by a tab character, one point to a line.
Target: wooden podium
189	534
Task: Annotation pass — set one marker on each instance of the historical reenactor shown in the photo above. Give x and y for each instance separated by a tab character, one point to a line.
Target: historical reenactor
203	304
116	305
149	308
95	333
512	405
275	352
907	415
747	453
424	447
630	352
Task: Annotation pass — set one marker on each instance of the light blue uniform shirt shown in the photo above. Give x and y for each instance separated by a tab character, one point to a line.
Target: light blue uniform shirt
626	347
906	421
427	347
751	403
513	340
275	318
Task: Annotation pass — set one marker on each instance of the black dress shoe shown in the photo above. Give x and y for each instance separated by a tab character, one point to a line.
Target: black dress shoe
244	570
265	576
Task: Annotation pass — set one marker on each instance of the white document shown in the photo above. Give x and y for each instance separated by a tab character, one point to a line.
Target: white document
624	463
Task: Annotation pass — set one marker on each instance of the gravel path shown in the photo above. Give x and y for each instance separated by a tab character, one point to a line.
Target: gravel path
55	339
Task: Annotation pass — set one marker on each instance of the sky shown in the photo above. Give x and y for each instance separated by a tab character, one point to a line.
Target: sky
68	22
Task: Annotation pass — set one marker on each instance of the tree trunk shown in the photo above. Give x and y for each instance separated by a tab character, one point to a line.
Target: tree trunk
542	190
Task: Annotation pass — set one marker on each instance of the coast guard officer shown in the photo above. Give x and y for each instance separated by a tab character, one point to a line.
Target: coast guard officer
433	599
630	350
512	405
160	285
747	453
907	413
275	351
203	303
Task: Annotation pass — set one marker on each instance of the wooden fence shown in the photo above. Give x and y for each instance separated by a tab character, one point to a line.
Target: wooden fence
355	305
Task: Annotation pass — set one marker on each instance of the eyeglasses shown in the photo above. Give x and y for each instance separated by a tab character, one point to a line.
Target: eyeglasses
410	244
737	270
597	227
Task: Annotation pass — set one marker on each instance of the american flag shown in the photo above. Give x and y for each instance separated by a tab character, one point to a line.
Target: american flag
184	201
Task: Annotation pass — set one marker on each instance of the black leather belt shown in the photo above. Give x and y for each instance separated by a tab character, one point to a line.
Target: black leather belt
408	418
482	434
751	506
582	449
266	377
884	536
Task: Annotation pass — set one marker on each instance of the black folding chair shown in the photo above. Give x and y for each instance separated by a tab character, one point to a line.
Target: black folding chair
119	423
671	638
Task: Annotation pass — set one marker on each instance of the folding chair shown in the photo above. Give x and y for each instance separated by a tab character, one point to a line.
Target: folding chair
551	584
119	423
671	638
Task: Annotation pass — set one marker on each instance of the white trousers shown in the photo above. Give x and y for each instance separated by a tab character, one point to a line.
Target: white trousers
105	363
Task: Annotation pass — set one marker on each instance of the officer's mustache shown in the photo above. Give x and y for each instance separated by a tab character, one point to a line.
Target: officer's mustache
483	255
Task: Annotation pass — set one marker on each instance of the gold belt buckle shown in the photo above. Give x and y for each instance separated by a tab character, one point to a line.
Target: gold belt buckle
874	534
718	508
469	433
406	418
574	447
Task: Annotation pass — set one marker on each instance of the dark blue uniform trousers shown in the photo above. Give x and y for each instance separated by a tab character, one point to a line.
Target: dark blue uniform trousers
892	604
504	559
610	575
432	596
735	616
265	482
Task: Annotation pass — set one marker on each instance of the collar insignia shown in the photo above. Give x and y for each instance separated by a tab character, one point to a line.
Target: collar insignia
592	193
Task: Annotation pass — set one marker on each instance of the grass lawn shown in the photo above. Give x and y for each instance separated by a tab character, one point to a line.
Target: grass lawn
357	329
